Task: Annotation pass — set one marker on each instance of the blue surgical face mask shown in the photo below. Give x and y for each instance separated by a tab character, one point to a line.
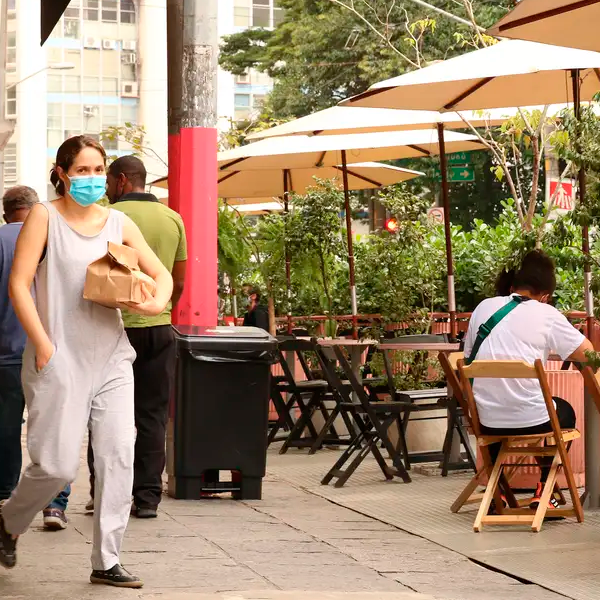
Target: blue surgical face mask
87	189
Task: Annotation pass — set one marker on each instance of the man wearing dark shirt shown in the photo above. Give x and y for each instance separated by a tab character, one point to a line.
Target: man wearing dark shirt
17	203
257	314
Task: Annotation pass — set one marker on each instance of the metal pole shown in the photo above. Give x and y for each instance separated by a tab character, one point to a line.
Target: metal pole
592	419
3	42
447	230
288	266
192	59
350	247
585	245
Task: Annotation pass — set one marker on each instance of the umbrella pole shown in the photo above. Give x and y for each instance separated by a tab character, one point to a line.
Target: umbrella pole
350	246
585	246
447	231
288	268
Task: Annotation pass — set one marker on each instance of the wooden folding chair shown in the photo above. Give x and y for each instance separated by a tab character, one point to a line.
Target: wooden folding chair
551	445
372	418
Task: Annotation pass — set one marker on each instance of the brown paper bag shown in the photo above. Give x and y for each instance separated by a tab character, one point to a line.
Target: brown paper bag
116	278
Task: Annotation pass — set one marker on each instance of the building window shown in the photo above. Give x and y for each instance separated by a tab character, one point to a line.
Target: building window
72	29
261	13
12	5
90	10
72	84
241	13
54	84
109	11
54	115
73	10
127	11
73	114
11	102
110	117
91	118
11	52
242	100
10	165
129	113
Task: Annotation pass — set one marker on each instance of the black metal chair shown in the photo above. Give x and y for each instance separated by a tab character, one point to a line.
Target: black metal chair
308	396
371	418
425	402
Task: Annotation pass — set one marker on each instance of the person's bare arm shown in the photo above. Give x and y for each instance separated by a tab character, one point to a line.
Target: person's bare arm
579	354
151	265
28	253
178	280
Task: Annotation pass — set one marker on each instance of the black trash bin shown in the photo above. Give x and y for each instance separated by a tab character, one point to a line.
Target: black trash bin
219	414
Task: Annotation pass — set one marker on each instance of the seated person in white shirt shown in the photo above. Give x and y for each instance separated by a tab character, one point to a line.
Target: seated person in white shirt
533	330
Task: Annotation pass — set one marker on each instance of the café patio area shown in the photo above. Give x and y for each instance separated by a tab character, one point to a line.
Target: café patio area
562	559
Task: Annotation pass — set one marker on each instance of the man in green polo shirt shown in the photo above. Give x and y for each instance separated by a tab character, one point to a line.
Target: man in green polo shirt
151	337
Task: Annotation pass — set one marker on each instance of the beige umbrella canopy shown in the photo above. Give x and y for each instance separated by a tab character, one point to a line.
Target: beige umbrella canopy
339	120
510	73
572	23
298	152
243	187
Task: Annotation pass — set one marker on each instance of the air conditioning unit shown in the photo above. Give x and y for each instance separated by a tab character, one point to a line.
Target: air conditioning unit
129	89
129	45
129	58
109	44
91	42
245	78
90	111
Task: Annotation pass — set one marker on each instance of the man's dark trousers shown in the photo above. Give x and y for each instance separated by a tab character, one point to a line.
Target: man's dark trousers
12	404
153	371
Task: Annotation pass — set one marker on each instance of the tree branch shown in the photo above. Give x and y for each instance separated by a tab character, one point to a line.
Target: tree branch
500	157
374	30
448	15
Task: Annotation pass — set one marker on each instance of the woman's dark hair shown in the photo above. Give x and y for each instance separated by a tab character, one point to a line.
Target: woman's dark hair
504	282
536	275
66	155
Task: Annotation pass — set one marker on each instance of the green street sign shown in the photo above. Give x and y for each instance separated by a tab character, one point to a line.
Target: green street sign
458	174
461	174
460	158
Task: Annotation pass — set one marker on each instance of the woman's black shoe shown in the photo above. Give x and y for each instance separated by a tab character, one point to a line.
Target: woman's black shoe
8	546
117	576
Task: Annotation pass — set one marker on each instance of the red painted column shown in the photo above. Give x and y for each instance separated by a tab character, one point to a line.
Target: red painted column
194	162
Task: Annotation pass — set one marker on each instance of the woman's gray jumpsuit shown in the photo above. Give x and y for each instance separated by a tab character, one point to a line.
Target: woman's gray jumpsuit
88	382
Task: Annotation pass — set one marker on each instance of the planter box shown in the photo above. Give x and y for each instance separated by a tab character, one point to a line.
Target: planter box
569	386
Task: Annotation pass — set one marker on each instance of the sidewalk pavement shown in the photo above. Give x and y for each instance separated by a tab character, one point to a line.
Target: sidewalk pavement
292	545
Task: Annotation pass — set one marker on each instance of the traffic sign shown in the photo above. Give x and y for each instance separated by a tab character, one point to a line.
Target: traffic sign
458	174
563	192
460	158
436	215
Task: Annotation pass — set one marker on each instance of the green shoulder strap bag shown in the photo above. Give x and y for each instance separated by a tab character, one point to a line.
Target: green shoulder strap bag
486	328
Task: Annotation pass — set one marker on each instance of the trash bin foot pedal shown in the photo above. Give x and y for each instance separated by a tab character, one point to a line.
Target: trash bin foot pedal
220	487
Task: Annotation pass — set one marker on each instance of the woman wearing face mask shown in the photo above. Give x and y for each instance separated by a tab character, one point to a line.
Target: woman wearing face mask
77	366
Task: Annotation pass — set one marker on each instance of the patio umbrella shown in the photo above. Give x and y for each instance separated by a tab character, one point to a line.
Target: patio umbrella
512	72
303	151
340	120
243	186
572	23
347	119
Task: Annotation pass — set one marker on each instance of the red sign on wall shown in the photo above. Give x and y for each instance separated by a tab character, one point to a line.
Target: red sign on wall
563	193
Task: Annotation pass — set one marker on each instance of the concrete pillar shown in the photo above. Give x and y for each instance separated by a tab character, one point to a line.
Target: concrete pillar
32	110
